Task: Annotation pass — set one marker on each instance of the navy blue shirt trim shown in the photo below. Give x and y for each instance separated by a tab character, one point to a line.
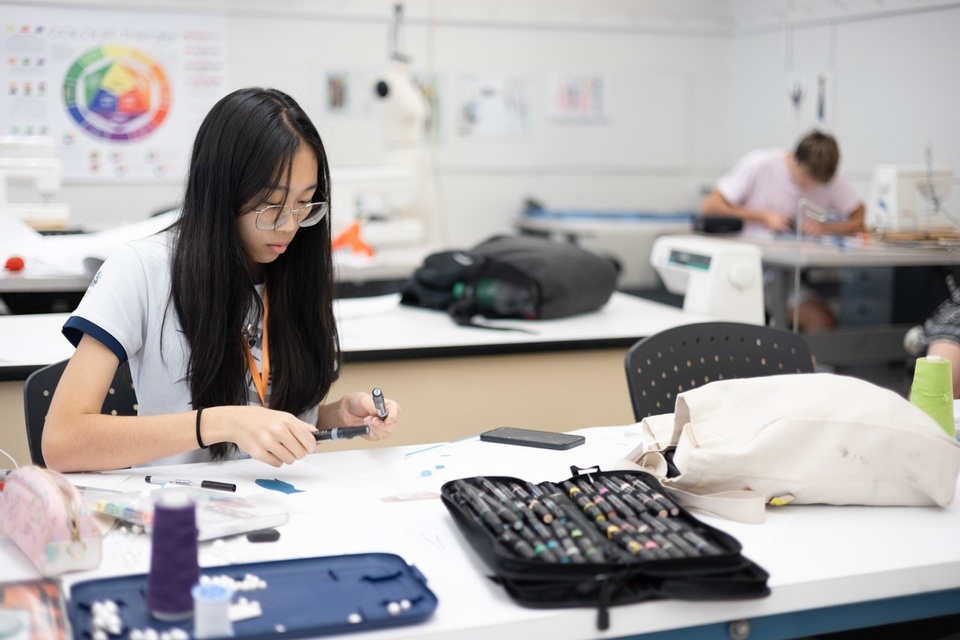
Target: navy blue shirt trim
75	327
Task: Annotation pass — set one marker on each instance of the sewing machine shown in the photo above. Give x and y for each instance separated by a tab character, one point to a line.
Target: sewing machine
32	161
389	205
717	277
905	198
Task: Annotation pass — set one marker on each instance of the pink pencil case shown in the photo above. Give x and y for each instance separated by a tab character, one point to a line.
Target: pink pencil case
43	514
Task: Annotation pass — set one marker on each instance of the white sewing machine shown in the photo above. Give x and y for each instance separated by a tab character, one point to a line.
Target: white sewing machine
32	161
907	198
387	206
719	278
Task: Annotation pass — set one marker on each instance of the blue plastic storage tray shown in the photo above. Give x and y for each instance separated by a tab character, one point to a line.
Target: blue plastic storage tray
303	597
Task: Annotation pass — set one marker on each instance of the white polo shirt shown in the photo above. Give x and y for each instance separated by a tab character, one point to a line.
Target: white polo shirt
128	308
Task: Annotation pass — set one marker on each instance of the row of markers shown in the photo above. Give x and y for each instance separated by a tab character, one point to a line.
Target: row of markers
571	522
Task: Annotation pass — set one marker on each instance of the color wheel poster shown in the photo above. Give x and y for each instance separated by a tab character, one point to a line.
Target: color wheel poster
121	92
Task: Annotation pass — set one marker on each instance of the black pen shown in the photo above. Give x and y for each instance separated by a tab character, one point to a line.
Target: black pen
203	484
470	498
518	544
668	547
533	504
700	544
619	505
644	495
662	505
503	512
571	550
666	503
341	433
379	403
584	538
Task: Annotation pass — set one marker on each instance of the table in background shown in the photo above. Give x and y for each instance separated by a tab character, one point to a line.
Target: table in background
41	290
451	381
858	344
61	288
39	281
785	255
830	567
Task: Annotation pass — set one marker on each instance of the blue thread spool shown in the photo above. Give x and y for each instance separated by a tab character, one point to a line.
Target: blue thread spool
173	557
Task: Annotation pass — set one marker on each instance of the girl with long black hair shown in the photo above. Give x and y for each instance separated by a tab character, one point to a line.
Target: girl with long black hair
226	317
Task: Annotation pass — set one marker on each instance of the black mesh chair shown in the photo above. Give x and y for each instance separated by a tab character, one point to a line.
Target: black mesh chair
675	360
38	390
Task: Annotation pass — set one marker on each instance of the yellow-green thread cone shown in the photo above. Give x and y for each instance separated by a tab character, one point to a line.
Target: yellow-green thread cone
932	391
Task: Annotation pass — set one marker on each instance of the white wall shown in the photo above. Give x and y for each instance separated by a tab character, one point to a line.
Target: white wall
891	68
692	84
663	67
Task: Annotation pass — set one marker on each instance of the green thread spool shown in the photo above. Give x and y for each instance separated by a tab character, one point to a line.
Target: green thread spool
932	391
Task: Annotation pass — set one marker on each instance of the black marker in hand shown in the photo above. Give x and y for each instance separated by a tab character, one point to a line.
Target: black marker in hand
341	433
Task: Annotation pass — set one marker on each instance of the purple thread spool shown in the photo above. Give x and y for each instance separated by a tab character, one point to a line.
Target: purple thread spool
173	557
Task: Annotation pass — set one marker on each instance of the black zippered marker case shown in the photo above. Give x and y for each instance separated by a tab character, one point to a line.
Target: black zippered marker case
597	539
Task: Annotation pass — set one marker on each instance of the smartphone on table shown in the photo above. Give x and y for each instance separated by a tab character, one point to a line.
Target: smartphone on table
532	438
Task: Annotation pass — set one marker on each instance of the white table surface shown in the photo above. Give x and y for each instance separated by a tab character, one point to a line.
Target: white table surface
381	323
817	556
374	325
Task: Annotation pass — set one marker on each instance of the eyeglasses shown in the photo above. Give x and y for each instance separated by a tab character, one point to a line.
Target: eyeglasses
274	215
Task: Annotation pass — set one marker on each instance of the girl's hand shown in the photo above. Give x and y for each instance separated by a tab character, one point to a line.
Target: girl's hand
273	437
356	409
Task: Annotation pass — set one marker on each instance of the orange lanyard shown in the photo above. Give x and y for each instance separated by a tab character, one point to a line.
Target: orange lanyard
260	378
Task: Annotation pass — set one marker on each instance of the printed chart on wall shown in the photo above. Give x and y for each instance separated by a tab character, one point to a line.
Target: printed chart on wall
493	106
119	91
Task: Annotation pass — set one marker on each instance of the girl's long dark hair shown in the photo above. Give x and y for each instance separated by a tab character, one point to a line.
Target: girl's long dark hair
246	145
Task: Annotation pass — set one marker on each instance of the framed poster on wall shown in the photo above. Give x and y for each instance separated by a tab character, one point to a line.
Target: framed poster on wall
121	92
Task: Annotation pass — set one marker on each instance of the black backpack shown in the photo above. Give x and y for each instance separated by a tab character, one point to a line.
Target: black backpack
524	277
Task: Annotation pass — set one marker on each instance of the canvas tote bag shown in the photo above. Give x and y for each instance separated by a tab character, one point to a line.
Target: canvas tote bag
810	438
